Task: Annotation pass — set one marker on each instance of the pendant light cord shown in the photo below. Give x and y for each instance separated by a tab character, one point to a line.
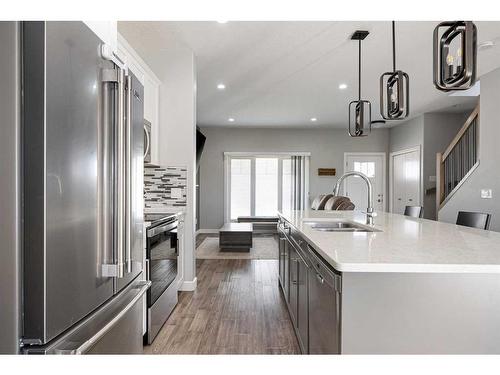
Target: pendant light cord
394	46
359	70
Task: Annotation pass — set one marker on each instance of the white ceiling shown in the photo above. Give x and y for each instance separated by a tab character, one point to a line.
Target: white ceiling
283	73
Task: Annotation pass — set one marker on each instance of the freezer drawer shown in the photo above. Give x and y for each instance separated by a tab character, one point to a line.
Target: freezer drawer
115	328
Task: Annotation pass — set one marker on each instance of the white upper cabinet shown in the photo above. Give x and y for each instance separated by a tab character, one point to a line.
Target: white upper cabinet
107	31
151	90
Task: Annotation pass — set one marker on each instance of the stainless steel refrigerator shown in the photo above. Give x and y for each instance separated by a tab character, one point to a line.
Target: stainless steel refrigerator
81	287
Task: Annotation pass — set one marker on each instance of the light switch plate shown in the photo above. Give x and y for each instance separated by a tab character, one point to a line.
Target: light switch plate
432	178
486	193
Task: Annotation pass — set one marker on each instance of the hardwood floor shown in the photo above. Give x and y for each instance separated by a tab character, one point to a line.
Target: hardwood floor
237	308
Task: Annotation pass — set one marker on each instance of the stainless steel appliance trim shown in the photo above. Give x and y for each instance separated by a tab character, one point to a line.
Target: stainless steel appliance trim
164	228
90	342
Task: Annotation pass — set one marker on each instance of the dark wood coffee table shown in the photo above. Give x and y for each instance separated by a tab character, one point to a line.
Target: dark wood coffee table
236	237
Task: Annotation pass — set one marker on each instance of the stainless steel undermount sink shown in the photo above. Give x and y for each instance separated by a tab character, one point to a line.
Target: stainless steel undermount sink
338	226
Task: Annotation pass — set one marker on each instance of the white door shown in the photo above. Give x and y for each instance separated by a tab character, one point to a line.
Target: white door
372	165
405	180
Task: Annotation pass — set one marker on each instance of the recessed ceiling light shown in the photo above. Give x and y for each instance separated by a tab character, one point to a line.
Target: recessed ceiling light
221	86
314	119
222	21
343	86
230	119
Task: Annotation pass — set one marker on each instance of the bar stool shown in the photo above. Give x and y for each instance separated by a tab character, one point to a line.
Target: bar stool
474	219
414	211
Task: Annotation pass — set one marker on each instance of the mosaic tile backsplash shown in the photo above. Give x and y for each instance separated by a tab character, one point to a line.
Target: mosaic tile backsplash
164	187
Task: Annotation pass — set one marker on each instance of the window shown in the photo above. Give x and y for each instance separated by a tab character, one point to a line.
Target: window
266	186
286	199
365	167
240	186
257	185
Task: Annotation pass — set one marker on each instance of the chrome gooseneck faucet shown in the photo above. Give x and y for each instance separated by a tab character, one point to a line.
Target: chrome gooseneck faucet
370	214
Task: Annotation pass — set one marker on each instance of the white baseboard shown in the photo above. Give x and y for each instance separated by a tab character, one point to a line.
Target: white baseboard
200	231
189	286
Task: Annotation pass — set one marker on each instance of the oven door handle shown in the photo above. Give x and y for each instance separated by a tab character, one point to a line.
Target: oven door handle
160	229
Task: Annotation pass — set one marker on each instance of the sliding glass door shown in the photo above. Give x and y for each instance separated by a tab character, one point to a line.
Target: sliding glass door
257	185
266	186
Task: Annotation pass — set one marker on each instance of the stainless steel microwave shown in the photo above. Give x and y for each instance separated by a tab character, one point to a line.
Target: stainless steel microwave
147	141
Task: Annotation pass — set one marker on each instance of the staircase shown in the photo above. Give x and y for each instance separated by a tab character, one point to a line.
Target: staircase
459	161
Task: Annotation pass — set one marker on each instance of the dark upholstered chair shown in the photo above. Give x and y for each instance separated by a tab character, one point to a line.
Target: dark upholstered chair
474	219
414	211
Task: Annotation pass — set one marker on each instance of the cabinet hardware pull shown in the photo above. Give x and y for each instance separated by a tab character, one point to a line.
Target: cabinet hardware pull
320	278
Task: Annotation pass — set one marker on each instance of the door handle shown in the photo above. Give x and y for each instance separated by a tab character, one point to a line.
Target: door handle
148	141
128	174
320	278
121	174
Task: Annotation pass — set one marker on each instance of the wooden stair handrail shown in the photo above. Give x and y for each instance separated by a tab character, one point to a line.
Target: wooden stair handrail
461	132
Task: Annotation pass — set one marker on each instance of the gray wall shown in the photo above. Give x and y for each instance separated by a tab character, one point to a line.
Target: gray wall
487	175
439	131
327	147
407	135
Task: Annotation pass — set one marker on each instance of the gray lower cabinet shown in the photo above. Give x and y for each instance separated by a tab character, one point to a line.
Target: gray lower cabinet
294	276
324	308
312	290
303	303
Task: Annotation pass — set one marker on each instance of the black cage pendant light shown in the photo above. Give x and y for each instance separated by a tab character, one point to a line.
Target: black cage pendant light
360	111
394	89
455	55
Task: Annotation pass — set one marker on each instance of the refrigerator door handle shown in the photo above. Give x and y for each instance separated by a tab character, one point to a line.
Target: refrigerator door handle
121	175
128	174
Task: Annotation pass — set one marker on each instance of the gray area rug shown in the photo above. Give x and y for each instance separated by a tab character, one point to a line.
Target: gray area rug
264	247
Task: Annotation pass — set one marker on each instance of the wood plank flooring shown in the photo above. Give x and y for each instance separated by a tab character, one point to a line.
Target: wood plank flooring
237	308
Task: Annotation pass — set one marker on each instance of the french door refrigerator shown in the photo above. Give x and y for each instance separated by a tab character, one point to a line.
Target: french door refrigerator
82	141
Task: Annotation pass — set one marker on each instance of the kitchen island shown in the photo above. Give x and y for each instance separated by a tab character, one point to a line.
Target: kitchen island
401	285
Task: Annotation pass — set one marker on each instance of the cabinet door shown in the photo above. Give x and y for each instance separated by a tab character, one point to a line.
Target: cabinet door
324	316
294	280
412	175
303	306
282	240
286	276
399	184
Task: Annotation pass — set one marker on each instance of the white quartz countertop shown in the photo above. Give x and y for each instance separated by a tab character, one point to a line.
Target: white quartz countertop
403	244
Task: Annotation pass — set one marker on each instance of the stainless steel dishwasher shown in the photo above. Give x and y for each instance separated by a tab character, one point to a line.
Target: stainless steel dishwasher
324	307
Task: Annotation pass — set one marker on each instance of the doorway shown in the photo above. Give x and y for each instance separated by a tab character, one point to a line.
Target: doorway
372	164
404	179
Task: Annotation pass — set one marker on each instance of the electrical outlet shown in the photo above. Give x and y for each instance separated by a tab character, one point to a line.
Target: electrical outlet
486	193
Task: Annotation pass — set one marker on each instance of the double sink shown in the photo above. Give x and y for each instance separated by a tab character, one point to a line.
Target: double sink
338	226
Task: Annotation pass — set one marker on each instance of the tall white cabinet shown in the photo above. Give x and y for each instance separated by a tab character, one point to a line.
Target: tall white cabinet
151	90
